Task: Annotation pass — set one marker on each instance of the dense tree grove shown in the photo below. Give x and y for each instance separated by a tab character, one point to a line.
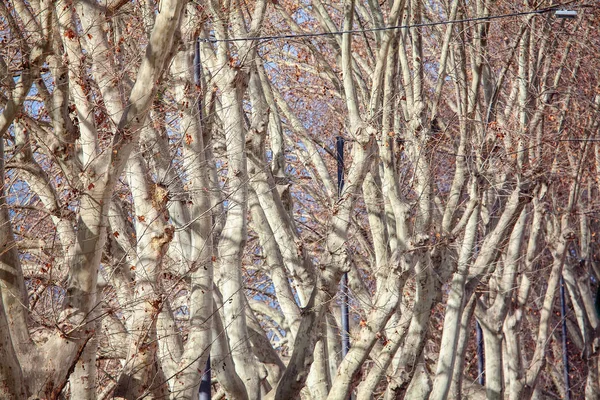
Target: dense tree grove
168	190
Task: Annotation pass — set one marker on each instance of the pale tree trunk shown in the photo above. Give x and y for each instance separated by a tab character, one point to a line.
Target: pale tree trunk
387	300
79	93
373	200
280	223
294	257
492	318
233	238
454	306
13	313
154	238
222	363
271	366
383	360
318	381
334	345
513	355
494	379
232	83
276	208
456	388
83	379
35	379
199	256
283	291
420	384
561	235
155	149
11	376
414	342
513	321
592	388
472	273
133	382
123	249
295	375
62	147
576	275
170	346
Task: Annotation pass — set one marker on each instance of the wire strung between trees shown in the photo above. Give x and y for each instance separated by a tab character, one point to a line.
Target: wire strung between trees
384	28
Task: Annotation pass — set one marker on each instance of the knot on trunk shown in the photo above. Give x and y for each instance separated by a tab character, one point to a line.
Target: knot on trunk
160	243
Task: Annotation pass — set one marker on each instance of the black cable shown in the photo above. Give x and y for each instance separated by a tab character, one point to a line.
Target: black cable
577	140
385	28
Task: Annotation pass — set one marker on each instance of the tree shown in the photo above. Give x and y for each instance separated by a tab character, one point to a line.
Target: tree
168	193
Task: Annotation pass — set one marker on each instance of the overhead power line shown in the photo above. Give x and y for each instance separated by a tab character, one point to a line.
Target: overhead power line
384	28
577	140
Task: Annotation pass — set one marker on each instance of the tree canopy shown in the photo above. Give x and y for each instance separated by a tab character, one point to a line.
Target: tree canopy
169	190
